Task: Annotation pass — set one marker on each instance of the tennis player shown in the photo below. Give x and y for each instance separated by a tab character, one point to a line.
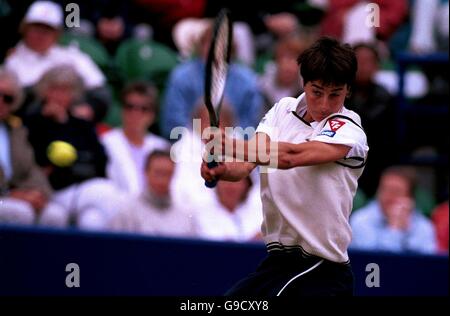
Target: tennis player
319	150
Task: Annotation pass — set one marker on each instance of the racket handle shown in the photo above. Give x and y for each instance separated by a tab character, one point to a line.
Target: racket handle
211	184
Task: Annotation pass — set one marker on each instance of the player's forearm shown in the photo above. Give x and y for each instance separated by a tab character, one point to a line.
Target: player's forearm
288	155
257	150
307	154
279	155
283	155
262	151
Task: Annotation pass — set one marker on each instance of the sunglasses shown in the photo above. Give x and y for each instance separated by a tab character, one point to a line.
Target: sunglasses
7	98
141	108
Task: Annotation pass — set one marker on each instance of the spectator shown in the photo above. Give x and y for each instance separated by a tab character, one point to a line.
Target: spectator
235	215
186	33
128	146
164	14
429	35
391	222
439	217
40	31
153	212
24	189
281	77
429	29
347	20
376	108
188	186
111	27
182	94
87	199
270	22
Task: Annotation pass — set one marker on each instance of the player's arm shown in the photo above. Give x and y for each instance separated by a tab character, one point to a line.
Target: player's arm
282	155
288	155
228	171
241	167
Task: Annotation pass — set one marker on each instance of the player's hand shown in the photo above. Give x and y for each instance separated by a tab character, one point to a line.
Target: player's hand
218	143
214	173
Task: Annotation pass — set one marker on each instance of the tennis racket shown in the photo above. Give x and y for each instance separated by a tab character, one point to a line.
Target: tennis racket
216	72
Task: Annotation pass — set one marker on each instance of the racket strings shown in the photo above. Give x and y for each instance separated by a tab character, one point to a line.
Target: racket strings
220	64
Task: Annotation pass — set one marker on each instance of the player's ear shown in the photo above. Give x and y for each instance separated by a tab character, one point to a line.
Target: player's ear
349	92
301	82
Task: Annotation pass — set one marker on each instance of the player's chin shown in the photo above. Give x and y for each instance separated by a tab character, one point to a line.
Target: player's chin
319	118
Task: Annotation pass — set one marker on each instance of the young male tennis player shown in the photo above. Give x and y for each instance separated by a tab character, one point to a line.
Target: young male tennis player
319	150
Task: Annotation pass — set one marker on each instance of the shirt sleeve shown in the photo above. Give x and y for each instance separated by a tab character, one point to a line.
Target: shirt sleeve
343	130
269	122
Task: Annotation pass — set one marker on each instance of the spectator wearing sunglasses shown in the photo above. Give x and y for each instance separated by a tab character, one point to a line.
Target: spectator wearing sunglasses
24	189
128	146
7	98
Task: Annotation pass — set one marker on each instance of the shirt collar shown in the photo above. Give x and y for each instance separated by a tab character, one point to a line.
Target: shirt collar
298	104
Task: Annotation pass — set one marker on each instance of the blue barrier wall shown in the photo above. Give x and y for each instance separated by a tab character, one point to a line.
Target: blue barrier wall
33	262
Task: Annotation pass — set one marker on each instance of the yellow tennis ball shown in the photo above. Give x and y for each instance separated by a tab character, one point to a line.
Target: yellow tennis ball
61	154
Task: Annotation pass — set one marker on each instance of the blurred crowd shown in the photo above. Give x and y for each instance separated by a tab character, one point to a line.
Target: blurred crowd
101	114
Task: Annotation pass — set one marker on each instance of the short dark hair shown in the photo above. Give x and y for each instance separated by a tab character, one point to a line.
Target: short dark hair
145	88
328	61
155	154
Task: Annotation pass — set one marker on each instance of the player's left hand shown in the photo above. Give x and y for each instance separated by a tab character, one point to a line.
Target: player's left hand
214	173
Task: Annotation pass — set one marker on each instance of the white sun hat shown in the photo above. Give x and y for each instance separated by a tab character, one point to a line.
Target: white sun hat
187	32
45	12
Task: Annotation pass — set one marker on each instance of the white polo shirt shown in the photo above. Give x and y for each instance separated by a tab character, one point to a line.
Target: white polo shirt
309	207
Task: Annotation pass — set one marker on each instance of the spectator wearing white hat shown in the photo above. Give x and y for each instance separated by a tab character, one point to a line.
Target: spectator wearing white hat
38	51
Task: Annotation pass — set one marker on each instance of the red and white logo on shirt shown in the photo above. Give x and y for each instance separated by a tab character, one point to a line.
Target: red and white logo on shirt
336	124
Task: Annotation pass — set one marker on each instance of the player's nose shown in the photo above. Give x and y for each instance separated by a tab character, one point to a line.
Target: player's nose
324	107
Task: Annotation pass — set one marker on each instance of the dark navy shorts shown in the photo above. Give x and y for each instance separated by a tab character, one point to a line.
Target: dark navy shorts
291	273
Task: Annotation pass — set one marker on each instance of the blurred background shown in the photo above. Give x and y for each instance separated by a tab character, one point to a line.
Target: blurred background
90	92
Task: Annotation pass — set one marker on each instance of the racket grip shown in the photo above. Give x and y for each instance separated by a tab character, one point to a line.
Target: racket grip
211	184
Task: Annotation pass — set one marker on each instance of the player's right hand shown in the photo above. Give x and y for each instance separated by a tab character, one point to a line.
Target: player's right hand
214	173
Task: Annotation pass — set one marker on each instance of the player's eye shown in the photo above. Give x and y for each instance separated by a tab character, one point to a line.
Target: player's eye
317	93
